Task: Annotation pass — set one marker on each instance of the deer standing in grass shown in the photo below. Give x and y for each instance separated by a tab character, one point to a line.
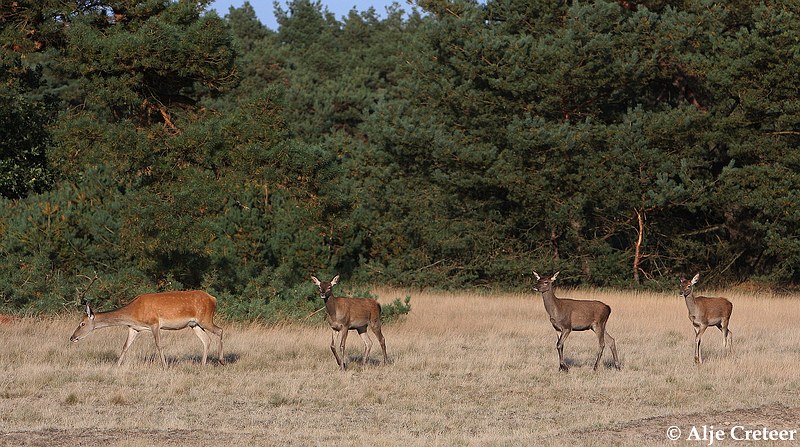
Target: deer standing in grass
569	315
704	312
154	312
346	314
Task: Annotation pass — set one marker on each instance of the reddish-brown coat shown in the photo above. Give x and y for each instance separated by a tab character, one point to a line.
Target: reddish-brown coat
154	312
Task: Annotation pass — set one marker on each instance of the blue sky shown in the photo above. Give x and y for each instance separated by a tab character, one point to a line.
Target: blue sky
339	8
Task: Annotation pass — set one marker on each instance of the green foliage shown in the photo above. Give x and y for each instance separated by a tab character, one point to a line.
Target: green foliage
189	197
23	143
166	148
269	299
24	117
531	135
396	309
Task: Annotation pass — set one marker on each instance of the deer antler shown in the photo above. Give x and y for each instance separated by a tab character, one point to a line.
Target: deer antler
82	295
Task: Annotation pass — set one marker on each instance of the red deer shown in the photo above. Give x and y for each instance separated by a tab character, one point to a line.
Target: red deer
346	314
154	312
569	315
704	312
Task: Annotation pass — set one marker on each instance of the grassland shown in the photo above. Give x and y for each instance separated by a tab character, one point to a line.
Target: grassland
466	369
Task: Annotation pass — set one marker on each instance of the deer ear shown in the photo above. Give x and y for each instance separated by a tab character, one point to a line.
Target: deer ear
554	276
695	279
537	276
316	281
335	280
88	310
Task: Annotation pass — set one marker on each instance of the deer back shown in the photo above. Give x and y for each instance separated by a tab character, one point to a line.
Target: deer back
176	306
584	313
353	312
714	307
167	309
704	308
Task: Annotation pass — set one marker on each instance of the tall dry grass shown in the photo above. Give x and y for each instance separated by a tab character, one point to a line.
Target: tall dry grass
466	369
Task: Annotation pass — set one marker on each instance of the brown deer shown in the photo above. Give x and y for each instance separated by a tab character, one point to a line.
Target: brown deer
346	314
154	312
569	315
704	312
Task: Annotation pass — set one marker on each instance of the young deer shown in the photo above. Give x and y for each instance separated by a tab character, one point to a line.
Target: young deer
704	312
346	314
569	315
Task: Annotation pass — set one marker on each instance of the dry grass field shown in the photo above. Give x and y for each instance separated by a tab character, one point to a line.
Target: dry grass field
466	369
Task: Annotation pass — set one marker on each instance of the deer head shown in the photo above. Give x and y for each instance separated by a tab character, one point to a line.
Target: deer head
87	322
85	327
325	287
688	285
544	284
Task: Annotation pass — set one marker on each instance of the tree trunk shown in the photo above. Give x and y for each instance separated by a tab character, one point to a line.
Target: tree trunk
637	256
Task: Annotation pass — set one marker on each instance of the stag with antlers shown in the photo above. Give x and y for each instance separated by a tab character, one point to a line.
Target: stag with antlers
154	312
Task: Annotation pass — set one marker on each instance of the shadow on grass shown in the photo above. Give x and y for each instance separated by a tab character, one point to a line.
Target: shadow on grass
230	359
357	361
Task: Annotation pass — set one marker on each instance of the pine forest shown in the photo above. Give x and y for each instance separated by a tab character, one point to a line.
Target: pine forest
445	144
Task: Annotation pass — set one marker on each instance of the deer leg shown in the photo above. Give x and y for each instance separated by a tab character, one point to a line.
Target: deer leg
333	348
613	345
216	330
376	329
727	337
342	341
132	334
204	339
562	337
600	331
367	344
157	337
698	356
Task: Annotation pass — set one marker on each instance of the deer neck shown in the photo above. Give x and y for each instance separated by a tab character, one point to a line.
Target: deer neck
691	304
111	318
330	306
551	303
